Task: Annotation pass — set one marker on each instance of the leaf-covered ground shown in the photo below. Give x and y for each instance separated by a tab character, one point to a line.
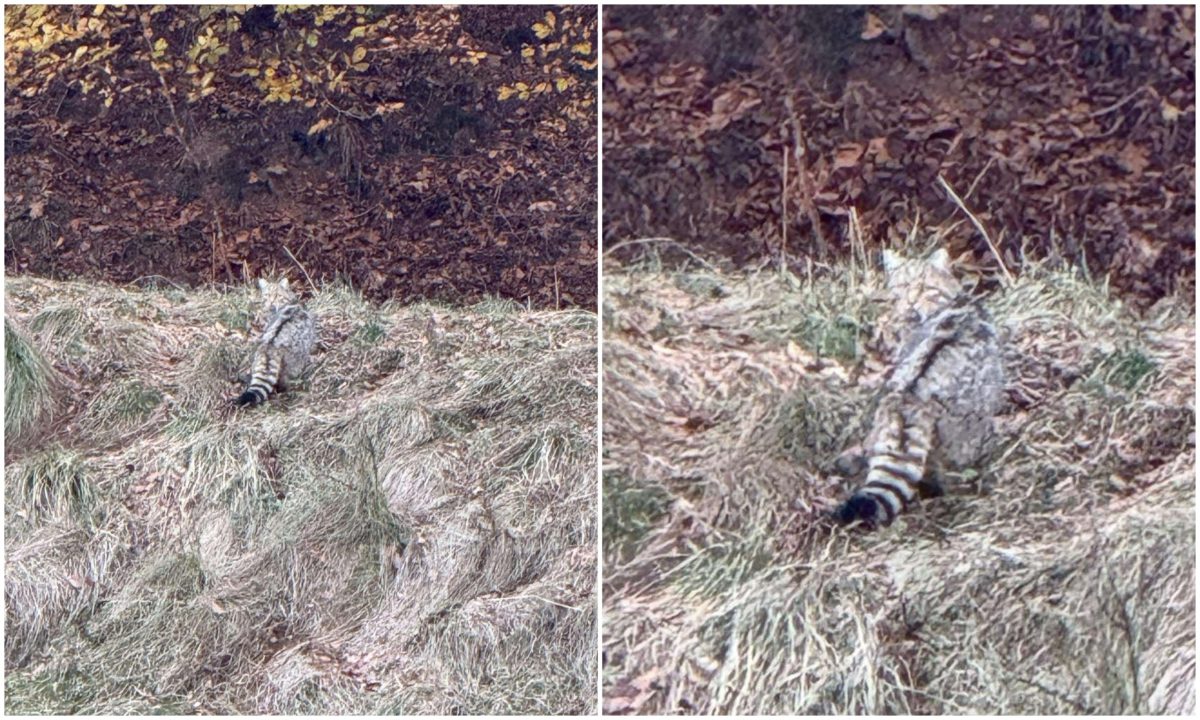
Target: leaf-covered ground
436	152
760	132
412	530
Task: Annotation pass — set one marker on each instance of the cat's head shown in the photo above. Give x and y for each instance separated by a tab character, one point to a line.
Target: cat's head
275	293
919	287
915	288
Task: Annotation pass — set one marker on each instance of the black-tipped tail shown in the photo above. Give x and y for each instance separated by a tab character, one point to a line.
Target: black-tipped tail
859	508
253	396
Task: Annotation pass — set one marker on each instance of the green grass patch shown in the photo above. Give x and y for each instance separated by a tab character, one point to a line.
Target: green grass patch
29	384
631	511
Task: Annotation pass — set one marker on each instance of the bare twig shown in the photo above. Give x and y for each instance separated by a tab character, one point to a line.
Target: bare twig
311	285
1008	278
179	128
784	220
665	241
1120	103
986	167
806	189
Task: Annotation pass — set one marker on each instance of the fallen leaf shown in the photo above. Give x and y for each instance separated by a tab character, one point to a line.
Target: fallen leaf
873	27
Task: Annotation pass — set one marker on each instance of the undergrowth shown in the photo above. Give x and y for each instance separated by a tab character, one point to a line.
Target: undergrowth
411	530
1057	577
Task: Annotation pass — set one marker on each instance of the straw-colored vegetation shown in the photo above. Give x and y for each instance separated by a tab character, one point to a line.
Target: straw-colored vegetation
409	531
1057	577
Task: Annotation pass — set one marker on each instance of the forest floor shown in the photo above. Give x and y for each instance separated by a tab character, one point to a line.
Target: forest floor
785	135
417	152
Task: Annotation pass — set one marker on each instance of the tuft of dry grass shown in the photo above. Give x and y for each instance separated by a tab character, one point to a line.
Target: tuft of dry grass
31	385
1057	577
412	530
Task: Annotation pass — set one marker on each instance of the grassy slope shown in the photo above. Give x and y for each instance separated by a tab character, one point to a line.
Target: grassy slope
411	532
1060	578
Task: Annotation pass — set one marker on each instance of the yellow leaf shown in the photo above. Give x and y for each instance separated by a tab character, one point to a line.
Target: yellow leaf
562	83
506	92
357	31
359	54
98	11
541	87
79	51
527	52
583	48
521	86
208	77
550	20
542	31
319	125
312	39
160	45
361	67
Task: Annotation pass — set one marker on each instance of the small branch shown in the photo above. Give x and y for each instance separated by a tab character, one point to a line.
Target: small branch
986	167
784	228
806	189
179	129
212	261
306	275
1120	103
1008	278
647	241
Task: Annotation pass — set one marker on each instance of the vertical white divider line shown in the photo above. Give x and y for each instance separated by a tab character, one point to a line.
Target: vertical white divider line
599	358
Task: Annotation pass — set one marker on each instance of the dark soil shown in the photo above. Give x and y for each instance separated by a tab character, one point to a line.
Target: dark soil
408	176
1068	131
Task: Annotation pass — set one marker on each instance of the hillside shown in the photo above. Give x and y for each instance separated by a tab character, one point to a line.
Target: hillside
422	152
1057	578
776	133
410	531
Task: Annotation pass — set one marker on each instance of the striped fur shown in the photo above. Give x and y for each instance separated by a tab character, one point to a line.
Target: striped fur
938	400
284	347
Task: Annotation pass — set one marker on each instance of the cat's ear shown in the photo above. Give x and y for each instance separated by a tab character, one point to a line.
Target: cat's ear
891	261
940	259
283	283
262	284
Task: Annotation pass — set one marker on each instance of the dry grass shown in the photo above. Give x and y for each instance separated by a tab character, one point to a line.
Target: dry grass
1058	577
410	531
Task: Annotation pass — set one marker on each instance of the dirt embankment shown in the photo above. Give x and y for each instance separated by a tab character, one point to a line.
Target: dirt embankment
767	133
420	152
